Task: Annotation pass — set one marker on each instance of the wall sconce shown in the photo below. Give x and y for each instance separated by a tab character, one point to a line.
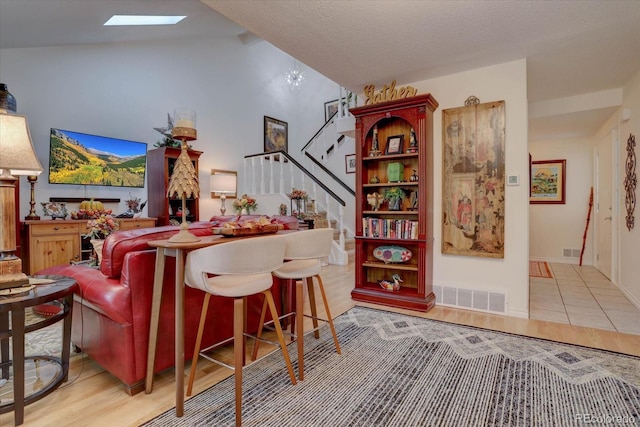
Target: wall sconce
223	184
18	158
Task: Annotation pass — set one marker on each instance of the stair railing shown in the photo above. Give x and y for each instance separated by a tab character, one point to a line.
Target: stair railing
276	173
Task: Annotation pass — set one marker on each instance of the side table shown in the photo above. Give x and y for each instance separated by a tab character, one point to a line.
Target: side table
46	289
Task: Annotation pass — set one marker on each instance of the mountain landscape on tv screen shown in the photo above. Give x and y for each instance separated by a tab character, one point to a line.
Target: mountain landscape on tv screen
71	162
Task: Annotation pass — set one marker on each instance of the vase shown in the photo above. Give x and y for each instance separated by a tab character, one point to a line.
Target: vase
297	207
395	203
7	101
97	248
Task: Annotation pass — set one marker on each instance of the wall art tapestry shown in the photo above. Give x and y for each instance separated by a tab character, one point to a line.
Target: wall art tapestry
473	180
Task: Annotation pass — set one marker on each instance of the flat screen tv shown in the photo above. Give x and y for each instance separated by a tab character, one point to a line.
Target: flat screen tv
83	159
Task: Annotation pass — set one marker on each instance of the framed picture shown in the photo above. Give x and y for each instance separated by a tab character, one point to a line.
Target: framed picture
276	135
330	108
350	163
473	180
548	181
394	144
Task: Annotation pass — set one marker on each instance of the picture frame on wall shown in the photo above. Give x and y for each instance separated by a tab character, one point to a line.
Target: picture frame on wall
330	108
473	180
276	135
548	182
350	163
394	144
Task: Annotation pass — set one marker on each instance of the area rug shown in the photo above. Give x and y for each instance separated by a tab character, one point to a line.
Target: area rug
539	269
398	370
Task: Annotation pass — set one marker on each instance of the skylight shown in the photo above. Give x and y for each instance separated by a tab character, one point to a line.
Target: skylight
143	20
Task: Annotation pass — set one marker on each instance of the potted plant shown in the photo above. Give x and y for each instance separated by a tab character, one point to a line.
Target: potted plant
394	197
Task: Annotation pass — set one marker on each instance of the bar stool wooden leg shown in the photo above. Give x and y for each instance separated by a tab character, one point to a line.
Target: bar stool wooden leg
328	313
256	343
196	351
238	352
300	327
312	305
283	346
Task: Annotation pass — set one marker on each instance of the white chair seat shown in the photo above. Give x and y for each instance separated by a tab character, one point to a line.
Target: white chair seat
299	268
239	285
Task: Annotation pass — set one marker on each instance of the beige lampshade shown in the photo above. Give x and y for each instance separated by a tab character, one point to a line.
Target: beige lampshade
223	183
16	147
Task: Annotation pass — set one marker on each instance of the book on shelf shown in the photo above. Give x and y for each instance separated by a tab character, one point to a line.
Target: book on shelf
389	228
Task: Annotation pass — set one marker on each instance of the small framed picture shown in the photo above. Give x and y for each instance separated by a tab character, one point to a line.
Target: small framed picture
350	163
275	135
394	144
330	108
548	181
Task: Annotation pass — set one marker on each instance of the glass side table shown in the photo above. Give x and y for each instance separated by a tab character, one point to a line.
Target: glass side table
45	373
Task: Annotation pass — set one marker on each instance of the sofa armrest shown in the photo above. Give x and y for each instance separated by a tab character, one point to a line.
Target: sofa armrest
104	293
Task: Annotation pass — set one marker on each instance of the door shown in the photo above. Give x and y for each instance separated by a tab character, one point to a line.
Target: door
604	204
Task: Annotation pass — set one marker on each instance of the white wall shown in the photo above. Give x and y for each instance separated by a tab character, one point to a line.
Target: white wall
630	240
553	228
125	90
506	82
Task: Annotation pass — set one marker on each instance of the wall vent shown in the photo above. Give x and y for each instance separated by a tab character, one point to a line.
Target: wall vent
472	299
571	253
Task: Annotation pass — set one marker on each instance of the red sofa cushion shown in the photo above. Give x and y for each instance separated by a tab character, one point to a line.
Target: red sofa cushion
117	245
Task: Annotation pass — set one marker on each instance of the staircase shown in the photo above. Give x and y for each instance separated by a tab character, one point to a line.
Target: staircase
270	176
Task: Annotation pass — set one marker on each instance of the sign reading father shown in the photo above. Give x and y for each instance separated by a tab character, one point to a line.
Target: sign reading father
387	93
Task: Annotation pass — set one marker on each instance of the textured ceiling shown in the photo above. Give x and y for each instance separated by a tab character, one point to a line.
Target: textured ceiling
572	47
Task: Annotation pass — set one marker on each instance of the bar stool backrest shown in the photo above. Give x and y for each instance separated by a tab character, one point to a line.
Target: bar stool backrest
308	244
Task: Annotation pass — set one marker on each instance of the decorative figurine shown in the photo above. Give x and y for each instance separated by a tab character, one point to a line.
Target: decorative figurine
374	179
413	142
283	209
414	176
375	200
375	150
390	286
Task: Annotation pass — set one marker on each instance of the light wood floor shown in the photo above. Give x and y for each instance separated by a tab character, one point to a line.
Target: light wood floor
92	397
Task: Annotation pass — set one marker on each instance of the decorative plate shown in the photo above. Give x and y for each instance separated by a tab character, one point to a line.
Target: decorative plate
54	210
389	254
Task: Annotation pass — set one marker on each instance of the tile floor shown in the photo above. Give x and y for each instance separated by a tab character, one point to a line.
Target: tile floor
582	296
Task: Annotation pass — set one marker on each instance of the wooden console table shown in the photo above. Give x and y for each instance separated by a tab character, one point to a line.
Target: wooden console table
53	242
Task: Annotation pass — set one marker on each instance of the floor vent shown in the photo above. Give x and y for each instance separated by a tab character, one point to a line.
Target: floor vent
494	302
571	253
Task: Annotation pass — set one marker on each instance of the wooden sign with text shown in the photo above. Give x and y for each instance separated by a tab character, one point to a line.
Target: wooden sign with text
387	93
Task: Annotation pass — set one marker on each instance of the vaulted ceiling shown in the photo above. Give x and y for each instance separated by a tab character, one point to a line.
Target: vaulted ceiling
575	50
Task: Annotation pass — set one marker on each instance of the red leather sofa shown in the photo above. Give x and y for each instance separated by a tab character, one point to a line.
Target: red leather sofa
113	304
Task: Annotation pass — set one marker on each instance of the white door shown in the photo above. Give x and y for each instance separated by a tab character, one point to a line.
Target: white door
603	204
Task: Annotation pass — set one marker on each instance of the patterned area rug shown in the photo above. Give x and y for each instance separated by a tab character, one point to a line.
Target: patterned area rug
398	370
539	269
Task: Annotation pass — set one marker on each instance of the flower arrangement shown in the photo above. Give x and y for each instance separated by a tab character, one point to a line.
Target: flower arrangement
298	194
102	226
245	203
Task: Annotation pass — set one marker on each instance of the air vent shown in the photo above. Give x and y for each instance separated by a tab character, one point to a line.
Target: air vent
472	299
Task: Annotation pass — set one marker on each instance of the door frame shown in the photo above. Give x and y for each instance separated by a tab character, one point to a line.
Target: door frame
615	203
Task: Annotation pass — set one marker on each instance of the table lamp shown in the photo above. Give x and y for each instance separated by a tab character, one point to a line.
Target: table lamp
222	183
184	179
18	158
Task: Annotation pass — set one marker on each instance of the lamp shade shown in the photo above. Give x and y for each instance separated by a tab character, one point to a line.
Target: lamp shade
16	147
223	183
